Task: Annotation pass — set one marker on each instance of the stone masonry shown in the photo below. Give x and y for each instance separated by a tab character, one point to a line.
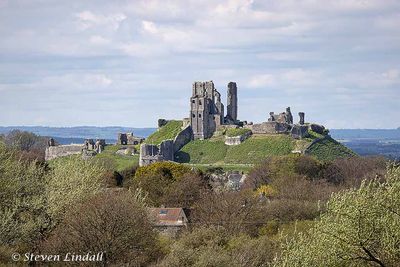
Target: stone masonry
207	110
150	153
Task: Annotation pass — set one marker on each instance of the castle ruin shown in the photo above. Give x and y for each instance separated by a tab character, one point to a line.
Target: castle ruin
207	116
207	110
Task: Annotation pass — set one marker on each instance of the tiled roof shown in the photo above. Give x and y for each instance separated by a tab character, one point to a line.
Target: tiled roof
168	216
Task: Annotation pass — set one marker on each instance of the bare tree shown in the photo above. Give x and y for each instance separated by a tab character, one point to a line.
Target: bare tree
112	222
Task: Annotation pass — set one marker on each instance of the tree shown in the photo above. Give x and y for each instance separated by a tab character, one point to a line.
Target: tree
186	191
114	222
157	178
236	212
71	181
30	145
23	206
212	246
361	227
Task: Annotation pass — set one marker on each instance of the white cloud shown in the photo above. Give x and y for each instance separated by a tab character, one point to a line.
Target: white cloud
99	40
340	54
88	19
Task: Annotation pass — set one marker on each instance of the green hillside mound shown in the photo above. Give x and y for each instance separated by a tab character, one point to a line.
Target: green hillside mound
251	151
168	131
329	149
257	148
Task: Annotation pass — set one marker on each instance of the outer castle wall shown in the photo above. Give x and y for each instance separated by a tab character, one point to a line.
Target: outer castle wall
53	152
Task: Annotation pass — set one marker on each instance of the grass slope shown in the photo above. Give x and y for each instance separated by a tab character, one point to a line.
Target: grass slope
330	149
251	151
168	131
119	162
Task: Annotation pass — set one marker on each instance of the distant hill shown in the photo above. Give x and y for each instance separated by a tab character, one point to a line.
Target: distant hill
75	134
365	133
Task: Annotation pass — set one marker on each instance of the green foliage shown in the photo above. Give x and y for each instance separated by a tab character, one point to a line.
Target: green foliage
168	131
361	227
158	179
23	216
214	247
329	149
251	151
71	181
314	135
174	170
231	132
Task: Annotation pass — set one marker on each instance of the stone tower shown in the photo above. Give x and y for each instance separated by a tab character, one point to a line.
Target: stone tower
232	105
206	109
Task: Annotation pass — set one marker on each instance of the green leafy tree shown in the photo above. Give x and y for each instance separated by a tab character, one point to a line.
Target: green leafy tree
361	227
71	181
156	179
23	205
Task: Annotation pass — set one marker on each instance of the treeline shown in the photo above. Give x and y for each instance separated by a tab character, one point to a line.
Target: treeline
291	211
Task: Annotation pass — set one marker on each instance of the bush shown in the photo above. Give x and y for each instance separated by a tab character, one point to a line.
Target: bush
166	168
361	227
212	246
156	179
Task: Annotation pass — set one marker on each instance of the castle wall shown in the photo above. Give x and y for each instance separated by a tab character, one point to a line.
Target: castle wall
53	152
155	153
270	127
183	137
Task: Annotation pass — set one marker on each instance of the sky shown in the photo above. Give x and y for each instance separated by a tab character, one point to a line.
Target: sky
128	63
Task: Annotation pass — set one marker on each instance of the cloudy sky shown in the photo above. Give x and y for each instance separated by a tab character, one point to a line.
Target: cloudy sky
69	63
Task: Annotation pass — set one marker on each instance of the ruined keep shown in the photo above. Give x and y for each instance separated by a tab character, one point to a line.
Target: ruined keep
207	110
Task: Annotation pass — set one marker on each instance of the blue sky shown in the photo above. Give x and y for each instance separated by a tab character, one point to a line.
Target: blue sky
69	63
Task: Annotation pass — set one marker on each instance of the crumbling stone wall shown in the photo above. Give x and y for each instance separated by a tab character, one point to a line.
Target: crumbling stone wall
236	140
182	138
270	127
53	152
128	139
299	131
154	153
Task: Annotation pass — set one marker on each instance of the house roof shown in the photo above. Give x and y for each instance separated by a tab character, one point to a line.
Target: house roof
168	216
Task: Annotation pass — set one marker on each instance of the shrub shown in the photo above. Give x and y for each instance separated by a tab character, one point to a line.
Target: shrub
359	228
157	178
166	168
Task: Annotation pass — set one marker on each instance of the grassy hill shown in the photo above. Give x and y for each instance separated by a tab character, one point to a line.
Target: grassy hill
329	149
254	149
168	131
